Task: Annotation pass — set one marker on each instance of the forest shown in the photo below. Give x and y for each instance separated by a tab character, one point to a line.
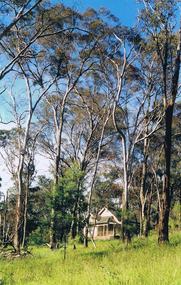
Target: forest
100	102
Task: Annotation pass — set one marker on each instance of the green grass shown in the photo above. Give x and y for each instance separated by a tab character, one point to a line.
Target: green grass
141	262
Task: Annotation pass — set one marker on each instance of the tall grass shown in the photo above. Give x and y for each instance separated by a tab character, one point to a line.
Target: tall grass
141	262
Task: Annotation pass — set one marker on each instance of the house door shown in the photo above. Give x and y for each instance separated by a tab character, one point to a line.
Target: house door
111	229
100	231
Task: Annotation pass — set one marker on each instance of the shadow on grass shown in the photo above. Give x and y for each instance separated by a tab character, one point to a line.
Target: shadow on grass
96	253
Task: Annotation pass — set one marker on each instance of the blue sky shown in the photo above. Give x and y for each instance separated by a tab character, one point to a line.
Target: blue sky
125	10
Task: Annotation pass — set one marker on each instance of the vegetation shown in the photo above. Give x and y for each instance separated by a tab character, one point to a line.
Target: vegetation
141	262
100	102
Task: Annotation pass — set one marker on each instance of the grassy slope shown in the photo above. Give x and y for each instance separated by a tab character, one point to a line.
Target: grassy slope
142	262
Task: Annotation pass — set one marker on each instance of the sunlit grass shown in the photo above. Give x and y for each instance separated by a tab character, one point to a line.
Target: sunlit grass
141	262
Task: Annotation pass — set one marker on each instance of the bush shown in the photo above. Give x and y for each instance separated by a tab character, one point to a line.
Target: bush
79	238
36	237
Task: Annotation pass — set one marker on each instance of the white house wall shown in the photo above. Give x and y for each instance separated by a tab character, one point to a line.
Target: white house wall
106	213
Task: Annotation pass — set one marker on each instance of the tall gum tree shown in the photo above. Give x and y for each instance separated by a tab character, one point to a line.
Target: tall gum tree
24	50
13	12
121	67
23	125
160	25
79	51
151	115
128	76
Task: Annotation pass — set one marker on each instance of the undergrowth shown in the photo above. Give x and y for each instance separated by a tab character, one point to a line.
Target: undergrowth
141	262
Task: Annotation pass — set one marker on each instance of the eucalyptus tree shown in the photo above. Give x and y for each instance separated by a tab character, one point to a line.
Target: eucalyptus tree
116	70
91	138
21	151
80	52
86	111
16	11
148	93
134	95
29	172
24	47
82	130
159	24
175	163
12	13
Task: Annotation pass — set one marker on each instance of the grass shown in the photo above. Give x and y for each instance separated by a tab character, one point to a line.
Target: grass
141	262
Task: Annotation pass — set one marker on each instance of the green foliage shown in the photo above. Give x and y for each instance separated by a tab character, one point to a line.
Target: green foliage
79	239
68	190
129	220
84	48
175	216
4	136
66	200
36	237
38	212
106	188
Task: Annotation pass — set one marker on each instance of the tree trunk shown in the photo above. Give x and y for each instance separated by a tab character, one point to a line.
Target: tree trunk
56	168
0	227
180	208
147	222
18	219
52	232
164	214
93	181
4	220
124	221
73	224
25	210
17	224
59	127
78	221
124	227
86	233
143	182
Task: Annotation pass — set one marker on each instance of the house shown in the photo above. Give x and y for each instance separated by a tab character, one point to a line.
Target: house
104	225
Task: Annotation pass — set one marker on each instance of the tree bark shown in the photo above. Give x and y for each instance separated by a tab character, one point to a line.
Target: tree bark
4	220
164	214
180	208
93	181
147	221
73	224
143	183
25	210
168	106
17	224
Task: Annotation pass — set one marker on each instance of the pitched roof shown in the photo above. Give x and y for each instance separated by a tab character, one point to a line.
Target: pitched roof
105	220
105	212
104	217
